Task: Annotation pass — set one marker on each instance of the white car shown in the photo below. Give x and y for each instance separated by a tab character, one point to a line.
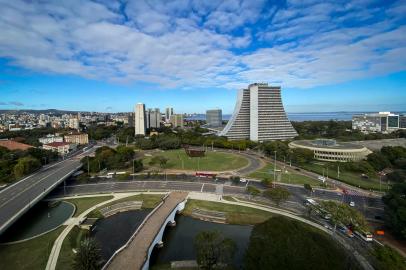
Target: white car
352	204
243	180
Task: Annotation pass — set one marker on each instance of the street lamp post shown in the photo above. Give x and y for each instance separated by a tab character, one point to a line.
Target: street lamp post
133	169
274	170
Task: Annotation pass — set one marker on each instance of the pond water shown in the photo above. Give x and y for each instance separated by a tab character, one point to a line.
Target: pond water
113	232
178	240
40	218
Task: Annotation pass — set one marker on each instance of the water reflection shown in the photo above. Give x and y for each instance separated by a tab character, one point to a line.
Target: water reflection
113	232
178	240
40	218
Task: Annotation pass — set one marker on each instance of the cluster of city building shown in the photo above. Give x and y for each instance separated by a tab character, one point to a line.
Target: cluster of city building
144	119
384	122
21	120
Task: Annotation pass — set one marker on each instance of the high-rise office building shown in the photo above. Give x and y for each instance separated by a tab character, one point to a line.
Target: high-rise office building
378	122
154	118
168	113
177	120
259	115
139	118
214	118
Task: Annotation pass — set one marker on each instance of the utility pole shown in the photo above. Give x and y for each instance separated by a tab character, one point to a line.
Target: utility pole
88	165
274	170
327	174
338	171
126	141
212	144
133	169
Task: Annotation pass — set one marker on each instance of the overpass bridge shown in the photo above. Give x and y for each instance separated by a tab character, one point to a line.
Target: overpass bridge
19	197
135	254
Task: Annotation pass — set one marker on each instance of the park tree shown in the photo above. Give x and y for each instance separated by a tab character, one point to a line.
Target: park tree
25	166
397	176
161	161
395	209
277	195
344	214
388	259
378	160
308	187
253	191
301	156
266	181
88	256
282	243
213	250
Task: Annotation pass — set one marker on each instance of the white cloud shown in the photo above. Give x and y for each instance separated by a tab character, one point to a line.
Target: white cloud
193	43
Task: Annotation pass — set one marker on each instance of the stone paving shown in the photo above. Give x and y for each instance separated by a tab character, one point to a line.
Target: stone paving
134	254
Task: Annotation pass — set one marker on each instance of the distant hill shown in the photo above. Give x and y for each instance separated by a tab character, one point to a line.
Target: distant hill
46	111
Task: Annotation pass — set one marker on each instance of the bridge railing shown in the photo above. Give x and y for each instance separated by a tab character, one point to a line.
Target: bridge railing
135	233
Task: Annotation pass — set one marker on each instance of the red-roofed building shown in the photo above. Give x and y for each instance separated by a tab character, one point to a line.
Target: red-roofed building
13	145
60	147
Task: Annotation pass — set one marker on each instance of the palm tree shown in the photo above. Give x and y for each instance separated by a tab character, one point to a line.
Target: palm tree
88	256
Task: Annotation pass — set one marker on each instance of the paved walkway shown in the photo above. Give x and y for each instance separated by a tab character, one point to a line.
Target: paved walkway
134	254
56	248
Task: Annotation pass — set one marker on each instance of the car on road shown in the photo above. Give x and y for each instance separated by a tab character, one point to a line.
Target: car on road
243	180
352	204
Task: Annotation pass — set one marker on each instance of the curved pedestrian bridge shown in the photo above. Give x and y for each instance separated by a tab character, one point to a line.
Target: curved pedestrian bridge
135	254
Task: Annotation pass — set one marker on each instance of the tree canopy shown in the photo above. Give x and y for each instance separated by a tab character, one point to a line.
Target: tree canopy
281	243
213	250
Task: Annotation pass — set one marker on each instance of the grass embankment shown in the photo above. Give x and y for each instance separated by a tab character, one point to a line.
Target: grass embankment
289	178
72	241
31	255
82	204
235	214
351	178
212	161
148	201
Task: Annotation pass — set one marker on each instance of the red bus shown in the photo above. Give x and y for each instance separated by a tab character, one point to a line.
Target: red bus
206	174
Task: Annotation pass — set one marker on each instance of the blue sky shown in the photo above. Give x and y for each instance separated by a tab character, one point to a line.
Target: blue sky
193	55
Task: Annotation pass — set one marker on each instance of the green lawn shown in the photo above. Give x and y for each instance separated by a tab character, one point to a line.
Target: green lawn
290	177
82	204
235	214
66	255
31	255
213	161
348	177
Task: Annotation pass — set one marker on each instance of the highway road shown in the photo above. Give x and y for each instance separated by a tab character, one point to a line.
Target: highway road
17	198
370	206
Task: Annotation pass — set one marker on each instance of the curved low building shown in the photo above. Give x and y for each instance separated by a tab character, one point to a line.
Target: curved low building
259	115
330	150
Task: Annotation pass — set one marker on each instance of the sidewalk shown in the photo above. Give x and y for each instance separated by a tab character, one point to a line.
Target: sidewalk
72	222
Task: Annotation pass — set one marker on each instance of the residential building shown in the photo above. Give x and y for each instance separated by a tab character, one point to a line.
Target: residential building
177	120
50	138
153	118
259	115
131	120
402	121
77	138
168	113
214	118
61	147
74	123
139	119
385	122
